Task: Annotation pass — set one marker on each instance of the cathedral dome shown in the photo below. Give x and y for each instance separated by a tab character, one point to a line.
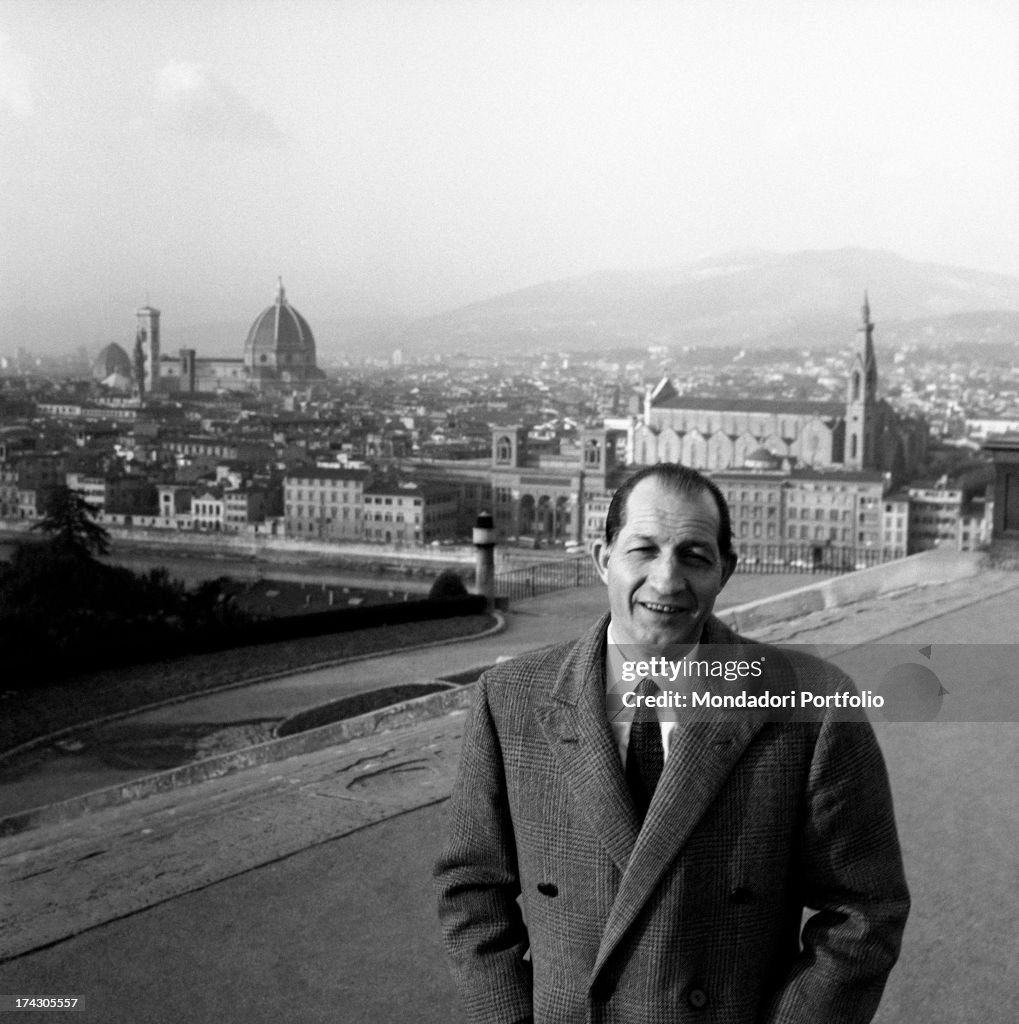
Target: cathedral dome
111	360
280	345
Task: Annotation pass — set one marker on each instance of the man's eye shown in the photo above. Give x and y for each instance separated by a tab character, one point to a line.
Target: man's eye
699	559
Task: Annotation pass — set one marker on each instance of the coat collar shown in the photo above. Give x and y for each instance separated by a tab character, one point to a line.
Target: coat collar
572	718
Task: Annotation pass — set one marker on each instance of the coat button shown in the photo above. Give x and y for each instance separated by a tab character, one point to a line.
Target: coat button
697	998
548	889
741	894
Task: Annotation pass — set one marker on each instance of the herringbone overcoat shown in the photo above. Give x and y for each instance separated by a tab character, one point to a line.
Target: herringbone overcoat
556	904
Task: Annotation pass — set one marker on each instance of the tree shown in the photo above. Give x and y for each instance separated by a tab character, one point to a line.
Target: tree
446	585
69	522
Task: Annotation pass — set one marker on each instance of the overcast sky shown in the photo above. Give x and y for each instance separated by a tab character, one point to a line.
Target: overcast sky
416	154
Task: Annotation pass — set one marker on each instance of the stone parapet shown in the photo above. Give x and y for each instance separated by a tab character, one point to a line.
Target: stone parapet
927	567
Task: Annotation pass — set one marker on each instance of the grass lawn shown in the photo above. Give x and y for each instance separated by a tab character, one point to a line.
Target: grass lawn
28	714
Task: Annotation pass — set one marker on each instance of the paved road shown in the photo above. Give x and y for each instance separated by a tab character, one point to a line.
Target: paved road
269	895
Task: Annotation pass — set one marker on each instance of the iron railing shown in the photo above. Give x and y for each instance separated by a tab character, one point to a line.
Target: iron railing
579	570
806	558
546	577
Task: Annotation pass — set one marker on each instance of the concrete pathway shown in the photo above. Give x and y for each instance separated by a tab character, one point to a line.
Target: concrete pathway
280	893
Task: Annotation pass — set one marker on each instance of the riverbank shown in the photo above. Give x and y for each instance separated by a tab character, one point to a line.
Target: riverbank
194	557
382	562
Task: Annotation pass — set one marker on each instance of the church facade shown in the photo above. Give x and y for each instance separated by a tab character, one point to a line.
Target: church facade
861	433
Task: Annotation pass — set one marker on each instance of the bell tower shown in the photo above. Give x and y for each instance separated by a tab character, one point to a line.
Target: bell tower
147	349
861	398
509	447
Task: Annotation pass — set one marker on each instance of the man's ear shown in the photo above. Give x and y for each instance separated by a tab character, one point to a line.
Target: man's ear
728	568
600	553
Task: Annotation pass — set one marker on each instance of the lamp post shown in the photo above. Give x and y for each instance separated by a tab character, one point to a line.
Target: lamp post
483	538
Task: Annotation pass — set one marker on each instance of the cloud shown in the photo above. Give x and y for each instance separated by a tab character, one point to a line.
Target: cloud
188	100
15	95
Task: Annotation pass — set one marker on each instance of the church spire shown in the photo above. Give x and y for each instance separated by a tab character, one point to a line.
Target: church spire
861	398
865	342
281	295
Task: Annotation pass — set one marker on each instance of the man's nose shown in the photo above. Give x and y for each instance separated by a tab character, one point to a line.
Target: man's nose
666	574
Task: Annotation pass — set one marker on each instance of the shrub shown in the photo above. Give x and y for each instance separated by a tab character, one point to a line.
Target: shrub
62	611
446	585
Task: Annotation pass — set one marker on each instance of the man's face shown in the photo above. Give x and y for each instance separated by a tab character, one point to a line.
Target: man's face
664	569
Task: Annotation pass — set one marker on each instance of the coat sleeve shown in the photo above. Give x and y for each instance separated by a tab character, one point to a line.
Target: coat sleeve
478	884
851	876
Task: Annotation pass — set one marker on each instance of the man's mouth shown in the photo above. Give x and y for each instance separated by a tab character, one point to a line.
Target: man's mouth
663	609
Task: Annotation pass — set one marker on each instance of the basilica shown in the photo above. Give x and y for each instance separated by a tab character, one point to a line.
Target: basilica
862	432
279	355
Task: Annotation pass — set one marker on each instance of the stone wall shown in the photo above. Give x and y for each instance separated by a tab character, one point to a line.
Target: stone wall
935	566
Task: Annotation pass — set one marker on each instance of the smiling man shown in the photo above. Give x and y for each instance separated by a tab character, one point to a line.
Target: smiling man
666	556
649	870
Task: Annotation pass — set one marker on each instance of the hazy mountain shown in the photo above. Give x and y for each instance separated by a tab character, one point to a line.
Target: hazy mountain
749	298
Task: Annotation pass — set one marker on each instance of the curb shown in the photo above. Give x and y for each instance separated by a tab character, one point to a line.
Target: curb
382	720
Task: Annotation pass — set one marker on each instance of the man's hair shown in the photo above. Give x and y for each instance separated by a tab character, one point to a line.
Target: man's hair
681	479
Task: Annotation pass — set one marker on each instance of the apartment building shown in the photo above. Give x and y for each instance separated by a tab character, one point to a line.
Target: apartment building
895	525
324	504
410	512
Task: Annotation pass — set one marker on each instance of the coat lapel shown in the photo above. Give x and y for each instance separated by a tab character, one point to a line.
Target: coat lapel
694	773
702	756
573	721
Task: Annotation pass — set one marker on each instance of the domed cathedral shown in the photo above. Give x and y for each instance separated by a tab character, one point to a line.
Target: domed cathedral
862	433
112	368
280	348
279	355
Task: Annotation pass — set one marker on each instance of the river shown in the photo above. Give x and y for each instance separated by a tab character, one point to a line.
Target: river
195	568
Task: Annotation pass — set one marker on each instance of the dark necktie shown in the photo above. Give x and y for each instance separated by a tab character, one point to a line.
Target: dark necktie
645	754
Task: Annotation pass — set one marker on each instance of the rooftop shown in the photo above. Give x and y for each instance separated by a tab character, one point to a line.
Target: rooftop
776	407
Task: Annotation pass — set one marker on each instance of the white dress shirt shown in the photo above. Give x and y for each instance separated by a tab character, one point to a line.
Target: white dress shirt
620	724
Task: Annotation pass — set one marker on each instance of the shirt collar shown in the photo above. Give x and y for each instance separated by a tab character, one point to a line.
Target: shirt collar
614	658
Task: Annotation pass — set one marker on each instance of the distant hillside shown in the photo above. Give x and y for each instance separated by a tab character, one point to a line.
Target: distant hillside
753	299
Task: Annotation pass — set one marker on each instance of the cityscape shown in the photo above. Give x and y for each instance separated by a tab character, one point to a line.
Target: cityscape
830	459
